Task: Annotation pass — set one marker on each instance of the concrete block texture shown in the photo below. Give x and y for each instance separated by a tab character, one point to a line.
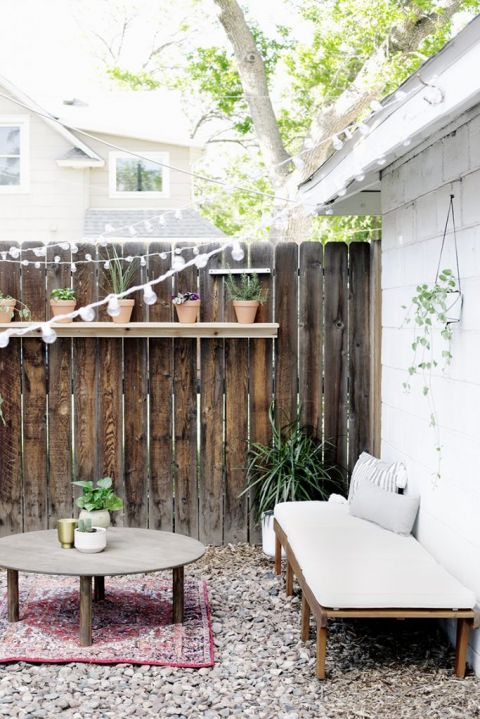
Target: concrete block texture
416	204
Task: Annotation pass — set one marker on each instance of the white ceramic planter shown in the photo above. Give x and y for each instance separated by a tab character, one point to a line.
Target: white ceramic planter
99	517
268	536
91	542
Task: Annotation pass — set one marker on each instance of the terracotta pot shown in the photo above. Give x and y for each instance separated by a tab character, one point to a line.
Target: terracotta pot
6	310
188	311
99	517
126	309
62	307
246	311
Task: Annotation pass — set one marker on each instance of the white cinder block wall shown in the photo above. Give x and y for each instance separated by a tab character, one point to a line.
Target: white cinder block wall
415	195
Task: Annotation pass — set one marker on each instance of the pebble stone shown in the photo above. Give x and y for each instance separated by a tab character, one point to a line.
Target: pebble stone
376	670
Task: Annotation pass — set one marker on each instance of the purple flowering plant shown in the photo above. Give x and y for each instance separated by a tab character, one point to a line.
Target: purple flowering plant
182	297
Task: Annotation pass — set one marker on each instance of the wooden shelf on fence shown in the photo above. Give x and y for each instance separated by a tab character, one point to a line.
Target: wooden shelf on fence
156	329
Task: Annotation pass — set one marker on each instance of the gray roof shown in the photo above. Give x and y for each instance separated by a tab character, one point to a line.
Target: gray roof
190	225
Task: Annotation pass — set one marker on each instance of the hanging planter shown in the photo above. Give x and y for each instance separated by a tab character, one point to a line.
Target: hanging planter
435	307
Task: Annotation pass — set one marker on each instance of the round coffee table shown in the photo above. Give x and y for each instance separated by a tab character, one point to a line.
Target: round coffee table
128	551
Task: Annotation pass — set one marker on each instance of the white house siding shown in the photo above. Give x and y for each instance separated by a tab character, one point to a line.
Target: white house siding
180	194
54	207
415	195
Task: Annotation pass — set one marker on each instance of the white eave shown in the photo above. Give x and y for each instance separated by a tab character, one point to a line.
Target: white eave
26	102
398	129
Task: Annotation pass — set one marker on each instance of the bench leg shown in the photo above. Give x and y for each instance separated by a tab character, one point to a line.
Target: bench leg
321	651
305	622
12	593
289	581
278	556
463	633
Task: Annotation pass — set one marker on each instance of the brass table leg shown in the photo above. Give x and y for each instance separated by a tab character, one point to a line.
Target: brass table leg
12	593
178	595
85	611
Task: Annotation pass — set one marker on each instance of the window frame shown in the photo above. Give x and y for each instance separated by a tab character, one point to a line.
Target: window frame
23	123
112	175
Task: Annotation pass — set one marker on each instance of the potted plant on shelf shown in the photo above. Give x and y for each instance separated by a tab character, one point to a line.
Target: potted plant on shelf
62	301
96	502
8	307
246	295
121	276
89	539
187	305
291	468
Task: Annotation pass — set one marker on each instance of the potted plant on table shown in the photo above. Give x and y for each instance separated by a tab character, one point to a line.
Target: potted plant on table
89	539
187	305
97	501
291	468
246	295
62	301
121	276
8	307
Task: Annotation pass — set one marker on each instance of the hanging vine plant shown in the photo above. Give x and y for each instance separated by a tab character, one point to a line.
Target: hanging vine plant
434	307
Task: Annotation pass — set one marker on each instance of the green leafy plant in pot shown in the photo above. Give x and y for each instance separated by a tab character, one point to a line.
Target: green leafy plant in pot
62	301
293	467
8	307
246	294
97	501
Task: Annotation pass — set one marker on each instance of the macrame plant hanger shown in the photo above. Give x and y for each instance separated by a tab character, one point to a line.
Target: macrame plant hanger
454	310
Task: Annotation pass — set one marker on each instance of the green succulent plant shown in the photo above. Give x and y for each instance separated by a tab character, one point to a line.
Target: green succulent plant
64	293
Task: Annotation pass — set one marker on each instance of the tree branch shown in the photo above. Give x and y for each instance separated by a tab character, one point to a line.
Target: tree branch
253	77
369	83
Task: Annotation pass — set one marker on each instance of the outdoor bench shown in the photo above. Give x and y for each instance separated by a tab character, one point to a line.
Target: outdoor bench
352	568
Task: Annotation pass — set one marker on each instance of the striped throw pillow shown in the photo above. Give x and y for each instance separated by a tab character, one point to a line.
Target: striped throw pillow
382	474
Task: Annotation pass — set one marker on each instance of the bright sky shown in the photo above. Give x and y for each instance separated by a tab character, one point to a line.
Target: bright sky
45	52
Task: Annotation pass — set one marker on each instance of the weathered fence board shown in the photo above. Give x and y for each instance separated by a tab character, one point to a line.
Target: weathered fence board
311	336
170	419
211	485
185	447
60	493
236	430
336	350
34	390
161	390
11	483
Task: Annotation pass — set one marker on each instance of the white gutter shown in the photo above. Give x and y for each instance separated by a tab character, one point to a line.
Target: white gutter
453	71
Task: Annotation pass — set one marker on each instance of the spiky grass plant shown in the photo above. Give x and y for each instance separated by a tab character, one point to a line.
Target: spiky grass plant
293	467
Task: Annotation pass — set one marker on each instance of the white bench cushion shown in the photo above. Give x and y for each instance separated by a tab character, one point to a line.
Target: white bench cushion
350	563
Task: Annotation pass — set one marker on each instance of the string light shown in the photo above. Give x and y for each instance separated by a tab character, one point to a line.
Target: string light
87	314
113	307
178	262
149	296
337	142
237	252
201	261
4	338
48	334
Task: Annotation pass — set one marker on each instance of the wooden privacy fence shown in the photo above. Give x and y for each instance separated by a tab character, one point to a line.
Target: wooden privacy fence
169	419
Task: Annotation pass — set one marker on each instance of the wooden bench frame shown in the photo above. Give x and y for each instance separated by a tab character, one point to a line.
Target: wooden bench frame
466	618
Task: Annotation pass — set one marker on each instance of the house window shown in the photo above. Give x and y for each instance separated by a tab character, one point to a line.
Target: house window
132	176
13	155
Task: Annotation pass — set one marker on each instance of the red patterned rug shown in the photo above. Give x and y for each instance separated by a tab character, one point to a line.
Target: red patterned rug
131	625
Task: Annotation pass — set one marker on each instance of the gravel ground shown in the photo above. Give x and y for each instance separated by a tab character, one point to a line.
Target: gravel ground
376	670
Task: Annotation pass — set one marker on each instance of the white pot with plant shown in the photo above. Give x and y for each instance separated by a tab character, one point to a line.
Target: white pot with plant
9	306
62	302
97	501
291	468
246	294
88	538
187	306
121	276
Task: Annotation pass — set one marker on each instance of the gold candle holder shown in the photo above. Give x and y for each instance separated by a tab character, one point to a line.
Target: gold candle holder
65	530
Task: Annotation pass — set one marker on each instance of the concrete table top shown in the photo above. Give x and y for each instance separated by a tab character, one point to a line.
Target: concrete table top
128	551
